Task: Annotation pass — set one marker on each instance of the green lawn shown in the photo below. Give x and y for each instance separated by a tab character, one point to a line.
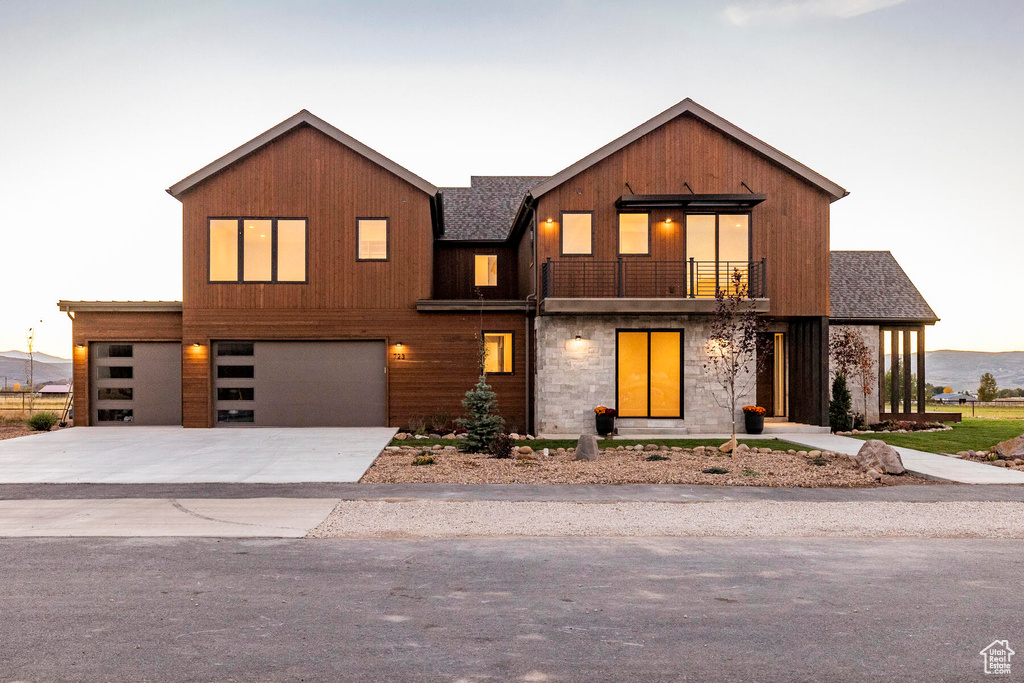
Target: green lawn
538	444
973	433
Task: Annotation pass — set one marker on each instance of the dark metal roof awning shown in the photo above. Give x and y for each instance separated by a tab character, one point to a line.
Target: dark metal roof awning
707	202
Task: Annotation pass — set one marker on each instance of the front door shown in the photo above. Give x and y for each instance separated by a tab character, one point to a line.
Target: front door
649	373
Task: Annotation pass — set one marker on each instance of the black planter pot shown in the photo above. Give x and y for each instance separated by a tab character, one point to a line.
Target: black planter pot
754	423
605	424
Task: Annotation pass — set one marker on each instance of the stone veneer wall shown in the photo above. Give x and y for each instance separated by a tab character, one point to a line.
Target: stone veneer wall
570	384
870	335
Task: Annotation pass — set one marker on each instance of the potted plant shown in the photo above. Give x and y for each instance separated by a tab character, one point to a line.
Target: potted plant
604	419
753	418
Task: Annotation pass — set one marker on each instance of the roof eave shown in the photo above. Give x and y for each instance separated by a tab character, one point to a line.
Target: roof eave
303	118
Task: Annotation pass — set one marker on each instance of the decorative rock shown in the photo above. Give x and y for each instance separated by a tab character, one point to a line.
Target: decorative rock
620	448
813	454
450	448
513	435
525	449
742	448
393	448
663	448
586	448
728	446
434	436
530	437
676	449
650	447
791	451
401	436
1000	463
874	474
436	447
450	435
764	450
802	454
559	450
699	450
887	479
880	456
546	451
1011	448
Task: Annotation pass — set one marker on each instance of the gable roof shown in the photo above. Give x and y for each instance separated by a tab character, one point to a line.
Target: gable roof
871	286
303	118
484	210
690	107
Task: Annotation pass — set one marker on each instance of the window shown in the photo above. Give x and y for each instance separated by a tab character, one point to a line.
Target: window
258	250
236	394
114	415
119	351
650	373
720	246
498	353
235	348
486	268
634	233
236	416
114	394
577	233
235	371
115	371
372	239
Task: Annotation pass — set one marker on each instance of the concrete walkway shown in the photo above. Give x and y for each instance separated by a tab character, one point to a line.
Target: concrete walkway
212	518
141	455
918	462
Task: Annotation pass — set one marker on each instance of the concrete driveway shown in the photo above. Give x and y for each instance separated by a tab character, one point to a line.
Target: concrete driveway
144	455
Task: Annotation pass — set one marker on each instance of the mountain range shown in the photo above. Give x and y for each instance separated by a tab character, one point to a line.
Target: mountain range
47	369
963	369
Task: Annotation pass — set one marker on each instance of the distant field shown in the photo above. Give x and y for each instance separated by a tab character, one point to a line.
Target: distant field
1015	412
14	407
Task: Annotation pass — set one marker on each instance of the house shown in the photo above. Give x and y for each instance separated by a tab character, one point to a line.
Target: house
325	285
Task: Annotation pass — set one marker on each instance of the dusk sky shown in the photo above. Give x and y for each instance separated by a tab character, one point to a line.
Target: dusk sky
914	106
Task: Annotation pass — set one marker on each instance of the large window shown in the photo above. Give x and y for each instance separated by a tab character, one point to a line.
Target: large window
485	268
372	239
650	373
577	233
498	353
634	233
257	250
720	245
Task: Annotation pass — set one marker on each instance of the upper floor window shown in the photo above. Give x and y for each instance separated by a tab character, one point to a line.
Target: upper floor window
486	270
634	233
577	233
722	238
257	249
498	353
372	239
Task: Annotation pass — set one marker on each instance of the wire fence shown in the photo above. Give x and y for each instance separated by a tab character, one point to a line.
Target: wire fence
21	404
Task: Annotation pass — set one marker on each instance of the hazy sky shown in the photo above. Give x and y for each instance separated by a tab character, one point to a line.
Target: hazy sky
915	106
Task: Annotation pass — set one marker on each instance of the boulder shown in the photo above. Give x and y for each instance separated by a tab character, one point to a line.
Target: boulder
586	448
879	456
1011	448
450	448
1000	463
401	436
525	449
813	454
651	447
728	446
742	448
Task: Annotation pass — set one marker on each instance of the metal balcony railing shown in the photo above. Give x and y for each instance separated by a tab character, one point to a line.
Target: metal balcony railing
652	279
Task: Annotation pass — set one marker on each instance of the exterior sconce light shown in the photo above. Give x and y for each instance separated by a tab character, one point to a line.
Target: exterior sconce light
549	222
79	346
668	220
399	345
577	344
196	345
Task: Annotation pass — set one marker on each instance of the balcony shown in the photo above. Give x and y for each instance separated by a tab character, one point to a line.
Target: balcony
647	286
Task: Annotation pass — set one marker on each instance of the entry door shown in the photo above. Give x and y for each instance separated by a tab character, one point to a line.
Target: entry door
780	394
649	367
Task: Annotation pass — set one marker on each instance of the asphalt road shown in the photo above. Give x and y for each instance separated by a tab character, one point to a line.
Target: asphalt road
506	610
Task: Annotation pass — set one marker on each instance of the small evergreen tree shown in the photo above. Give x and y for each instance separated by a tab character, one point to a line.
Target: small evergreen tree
839	406
988	388
482	422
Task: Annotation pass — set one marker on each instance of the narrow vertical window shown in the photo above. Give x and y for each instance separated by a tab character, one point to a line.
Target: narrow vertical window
577	233
486	270
291	250
372	239
634	233
257	241
498	353
223	250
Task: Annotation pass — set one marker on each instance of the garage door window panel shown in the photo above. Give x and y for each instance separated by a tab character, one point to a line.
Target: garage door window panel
235	372
243	416
236	394
114	415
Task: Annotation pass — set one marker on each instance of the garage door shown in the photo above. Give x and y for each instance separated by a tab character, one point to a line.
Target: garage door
136	383
299	384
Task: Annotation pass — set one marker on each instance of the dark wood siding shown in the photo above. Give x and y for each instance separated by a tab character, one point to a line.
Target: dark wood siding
808	371
790	228
454	272
103	326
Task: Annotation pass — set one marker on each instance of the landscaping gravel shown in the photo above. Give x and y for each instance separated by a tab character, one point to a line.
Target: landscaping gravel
749	468
443	519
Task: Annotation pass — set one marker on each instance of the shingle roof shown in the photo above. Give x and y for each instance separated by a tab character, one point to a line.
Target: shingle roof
871	285
486	209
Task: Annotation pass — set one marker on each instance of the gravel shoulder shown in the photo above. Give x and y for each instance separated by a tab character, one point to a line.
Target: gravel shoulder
443	519
680	466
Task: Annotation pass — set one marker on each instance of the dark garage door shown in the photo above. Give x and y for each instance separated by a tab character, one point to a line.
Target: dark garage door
299	384
136	383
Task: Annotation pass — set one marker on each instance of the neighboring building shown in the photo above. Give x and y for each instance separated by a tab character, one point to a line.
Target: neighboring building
326	285
954	399
56	389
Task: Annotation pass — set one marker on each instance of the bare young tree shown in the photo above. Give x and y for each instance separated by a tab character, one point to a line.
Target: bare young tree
853	360
734	349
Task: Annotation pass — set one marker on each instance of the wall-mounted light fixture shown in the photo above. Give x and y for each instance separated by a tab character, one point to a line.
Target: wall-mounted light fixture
577	344
549	222
399	345
79	346
196	345
669	220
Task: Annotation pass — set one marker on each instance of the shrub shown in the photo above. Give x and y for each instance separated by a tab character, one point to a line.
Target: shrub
423	459
715	470
656	456
441	421
839	406
42	422
417	425
819	461
751	473
482	423
502	446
